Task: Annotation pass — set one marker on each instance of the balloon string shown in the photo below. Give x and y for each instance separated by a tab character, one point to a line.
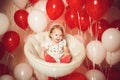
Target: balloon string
90	28
79	22
94	78
7	59
71	32
101	68
107	72
93	65
93	62
64	26
78	32
13	58
96	30
110	59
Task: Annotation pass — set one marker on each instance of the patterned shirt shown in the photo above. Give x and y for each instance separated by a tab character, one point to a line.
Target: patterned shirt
55	50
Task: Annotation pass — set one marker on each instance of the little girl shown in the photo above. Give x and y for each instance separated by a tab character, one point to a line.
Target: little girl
55	48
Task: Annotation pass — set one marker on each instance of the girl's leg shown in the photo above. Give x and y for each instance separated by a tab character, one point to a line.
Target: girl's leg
66	59
48	58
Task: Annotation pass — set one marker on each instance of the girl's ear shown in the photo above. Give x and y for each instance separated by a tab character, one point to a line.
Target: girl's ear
49	34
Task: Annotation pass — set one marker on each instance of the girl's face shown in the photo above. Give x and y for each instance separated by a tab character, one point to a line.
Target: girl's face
56	35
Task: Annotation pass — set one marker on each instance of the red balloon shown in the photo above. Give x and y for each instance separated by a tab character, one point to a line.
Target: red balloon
84	21
99	27
33	1
76	4
54	8
21	18
115	24
71	18
2	50
3	69
96	8
11	40
73	76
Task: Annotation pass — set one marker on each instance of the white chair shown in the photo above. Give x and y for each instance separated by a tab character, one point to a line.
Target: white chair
32	49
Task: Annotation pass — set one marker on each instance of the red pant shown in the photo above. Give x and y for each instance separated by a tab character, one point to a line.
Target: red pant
65	59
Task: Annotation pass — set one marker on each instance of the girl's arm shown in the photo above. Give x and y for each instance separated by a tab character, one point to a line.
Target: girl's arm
42	54
66	50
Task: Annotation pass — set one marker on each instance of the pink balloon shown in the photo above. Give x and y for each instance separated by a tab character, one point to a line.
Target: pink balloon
23	72
96	52
113	58
111	39
95	75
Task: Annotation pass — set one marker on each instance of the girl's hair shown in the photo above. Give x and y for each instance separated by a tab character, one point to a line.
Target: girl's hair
56	27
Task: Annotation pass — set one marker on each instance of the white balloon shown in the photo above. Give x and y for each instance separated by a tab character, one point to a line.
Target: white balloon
20	3
96	52
111	39
80	38
113	58
95	75
23	71
37	20
41	5
4	23
40	76
6	77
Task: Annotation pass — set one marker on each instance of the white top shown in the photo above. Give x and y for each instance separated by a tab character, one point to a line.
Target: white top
55	50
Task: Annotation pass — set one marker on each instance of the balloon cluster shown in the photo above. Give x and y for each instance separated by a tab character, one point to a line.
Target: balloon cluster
94	17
